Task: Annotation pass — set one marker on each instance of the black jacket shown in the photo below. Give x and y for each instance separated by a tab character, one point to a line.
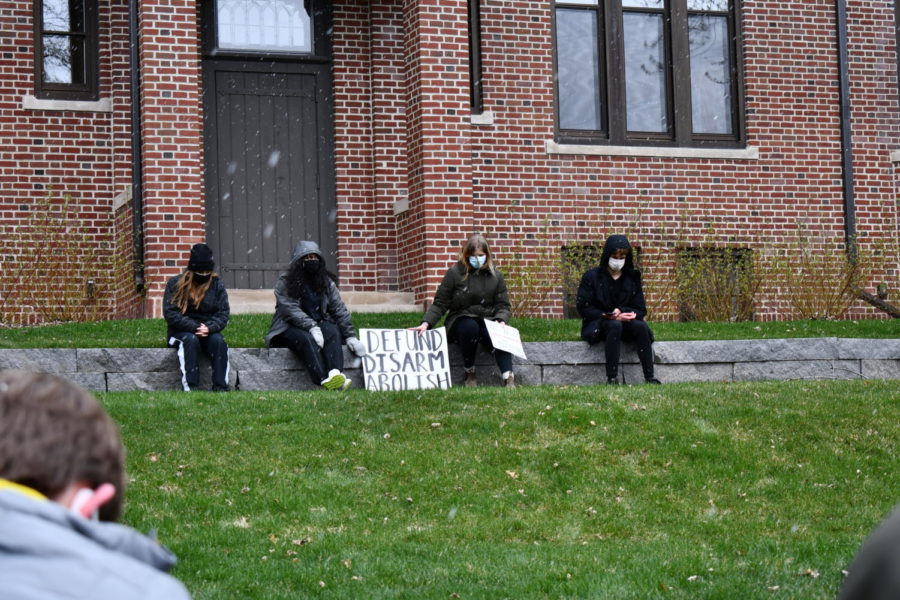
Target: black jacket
465	292
596	296
213	310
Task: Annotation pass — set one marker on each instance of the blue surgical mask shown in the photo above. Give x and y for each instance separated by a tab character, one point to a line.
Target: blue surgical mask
476	262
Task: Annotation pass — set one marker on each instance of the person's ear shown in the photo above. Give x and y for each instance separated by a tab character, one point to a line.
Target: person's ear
85	502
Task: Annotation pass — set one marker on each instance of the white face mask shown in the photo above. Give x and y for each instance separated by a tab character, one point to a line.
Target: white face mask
477	262
616	264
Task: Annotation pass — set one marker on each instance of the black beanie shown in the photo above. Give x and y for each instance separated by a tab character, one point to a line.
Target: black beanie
201	259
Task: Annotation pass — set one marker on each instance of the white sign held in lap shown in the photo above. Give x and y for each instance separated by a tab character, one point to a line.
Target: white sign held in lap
505	337
401	359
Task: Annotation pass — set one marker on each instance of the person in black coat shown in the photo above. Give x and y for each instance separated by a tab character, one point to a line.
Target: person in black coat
611	304
874	573
196	310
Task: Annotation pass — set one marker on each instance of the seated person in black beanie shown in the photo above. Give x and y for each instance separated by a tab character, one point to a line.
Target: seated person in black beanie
196	310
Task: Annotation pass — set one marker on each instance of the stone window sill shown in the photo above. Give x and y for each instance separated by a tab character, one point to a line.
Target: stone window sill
101	105
749	153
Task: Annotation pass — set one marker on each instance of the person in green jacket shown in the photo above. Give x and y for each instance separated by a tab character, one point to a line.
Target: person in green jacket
472	291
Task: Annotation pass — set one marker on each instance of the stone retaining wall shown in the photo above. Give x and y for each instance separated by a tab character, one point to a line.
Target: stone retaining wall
549	363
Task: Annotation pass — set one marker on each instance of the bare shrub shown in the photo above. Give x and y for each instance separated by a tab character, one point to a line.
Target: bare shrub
53	269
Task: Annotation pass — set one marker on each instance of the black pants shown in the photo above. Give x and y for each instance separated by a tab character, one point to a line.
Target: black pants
468	333
318	361
189	346
612	332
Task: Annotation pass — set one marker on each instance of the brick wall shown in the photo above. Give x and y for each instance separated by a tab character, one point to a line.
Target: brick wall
405	144
174	209
793	119
531	203
50	157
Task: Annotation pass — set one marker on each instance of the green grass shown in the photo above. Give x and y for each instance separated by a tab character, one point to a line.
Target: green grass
681	491
248	331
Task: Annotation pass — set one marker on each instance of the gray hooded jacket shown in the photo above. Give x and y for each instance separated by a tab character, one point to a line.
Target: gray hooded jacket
48	552
288	312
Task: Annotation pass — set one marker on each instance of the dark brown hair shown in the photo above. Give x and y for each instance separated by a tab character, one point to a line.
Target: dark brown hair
53	433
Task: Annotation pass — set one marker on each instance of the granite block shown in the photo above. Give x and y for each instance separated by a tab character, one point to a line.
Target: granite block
677	373
127	360
811	369
868	348
880	369
41	360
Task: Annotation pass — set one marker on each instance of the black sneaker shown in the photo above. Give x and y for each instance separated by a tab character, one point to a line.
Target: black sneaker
612	381
653	380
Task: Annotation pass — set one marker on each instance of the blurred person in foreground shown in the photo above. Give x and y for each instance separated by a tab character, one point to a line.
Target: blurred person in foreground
875	571
62	480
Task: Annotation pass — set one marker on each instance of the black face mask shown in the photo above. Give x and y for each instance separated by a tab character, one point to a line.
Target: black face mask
201	279
312	266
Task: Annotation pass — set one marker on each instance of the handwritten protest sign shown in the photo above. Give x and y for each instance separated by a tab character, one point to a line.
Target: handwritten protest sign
400	359
504	337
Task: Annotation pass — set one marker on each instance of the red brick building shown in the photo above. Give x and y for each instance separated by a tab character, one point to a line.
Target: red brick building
389	130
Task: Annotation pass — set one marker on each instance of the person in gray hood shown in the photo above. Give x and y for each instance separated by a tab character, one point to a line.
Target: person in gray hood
61	484
311	319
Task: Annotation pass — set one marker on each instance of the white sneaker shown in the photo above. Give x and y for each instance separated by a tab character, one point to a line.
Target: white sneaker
335	380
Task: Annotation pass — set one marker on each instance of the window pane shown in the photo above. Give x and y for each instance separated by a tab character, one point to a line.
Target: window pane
584	2
642	3
277	25
710	74
64	59
708	5
63	15
645	74
578	77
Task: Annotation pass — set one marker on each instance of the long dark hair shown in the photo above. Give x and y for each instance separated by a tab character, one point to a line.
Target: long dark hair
296	277
188	293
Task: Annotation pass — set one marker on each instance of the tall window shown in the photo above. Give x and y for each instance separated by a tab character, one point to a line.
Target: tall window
476	94
65	49
659	72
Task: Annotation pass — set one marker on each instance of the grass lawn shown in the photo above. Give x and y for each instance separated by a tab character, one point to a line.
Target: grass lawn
248	331
743	490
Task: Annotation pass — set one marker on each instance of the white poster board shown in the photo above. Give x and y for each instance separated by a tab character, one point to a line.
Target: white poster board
401	359
505	337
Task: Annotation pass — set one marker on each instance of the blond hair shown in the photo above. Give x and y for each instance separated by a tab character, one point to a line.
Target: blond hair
476	242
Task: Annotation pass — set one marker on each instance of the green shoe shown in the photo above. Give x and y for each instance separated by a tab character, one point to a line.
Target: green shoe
334	381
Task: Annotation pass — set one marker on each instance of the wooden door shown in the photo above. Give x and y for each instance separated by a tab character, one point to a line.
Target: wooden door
269	176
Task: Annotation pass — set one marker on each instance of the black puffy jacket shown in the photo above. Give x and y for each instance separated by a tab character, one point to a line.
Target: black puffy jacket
213	310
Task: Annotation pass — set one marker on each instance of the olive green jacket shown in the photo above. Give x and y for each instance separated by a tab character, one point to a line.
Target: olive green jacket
468	293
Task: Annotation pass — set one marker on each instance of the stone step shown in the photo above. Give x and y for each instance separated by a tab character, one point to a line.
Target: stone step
548	363
245	301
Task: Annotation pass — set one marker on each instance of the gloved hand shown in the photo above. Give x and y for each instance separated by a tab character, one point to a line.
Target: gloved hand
356	346
316	332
